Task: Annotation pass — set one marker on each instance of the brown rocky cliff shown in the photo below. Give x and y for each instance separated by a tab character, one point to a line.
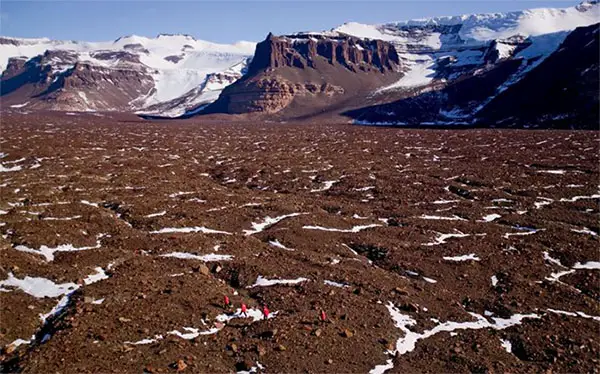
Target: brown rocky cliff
308	70
300	51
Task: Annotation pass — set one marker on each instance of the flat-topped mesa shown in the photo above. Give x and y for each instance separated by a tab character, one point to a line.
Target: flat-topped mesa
307	72
301	50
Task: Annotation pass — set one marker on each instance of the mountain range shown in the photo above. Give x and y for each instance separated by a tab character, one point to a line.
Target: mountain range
532	68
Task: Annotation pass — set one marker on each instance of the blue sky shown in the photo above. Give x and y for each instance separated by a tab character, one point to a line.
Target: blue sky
221	21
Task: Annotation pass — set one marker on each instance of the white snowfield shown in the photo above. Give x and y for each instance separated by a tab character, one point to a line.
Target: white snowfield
189	64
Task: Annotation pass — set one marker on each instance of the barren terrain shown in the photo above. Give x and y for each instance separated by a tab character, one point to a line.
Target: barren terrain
428	250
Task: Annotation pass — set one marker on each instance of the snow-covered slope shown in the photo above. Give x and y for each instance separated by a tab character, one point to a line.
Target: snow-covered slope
199	96
443	48
177	63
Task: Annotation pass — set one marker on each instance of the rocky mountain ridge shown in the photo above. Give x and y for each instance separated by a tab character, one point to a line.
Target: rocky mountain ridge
443	70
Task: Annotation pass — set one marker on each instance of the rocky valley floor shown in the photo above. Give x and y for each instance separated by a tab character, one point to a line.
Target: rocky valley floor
428	250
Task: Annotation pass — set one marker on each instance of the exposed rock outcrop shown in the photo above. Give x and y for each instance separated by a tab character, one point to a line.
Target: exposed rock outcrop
308	67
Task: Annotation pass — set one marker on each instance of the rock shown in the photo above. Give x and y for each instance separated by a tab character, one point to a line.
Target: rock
204	269
409	307
330	361
10	348
400	291
347	333
149	369
261	350
269	334
317	332
245	365
233	347
88	299
181	365
124	320
281	348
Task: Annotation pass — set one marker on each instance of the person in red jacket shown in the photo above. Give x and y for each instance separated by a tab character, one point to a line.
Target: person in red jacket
266	311
244	310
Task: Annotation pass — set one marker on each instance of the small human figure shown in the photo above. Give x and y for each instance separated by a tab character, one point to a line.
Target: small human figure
266	312
226	301
244	310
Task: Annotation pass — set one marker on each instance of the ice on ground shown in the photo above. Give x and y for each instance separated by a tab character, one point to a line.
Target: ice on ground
156	214
585	230
560	172
37	287
574	314
591	265
363	189
62	304
264	282
469	257
255	314
145	341
380	369
555	277
4	169
555	261
494	280
429	280
439	202
206	258
48	252
60	218
98	276
354	229
545	201
85	202
527	232
441	238
442	218
19	342
490	217
506	345
327	186
408	342
277	244
268	222
193	332
176	194
575	198
185	230
335	284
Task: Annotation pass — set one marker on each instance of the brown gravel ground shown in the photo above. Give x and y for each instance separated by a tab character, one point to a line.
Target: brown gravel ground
103	183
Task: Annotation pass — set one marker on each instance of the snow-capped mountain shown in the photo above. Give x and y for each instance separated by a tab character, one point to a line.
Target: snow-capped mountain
446	70
442	48
166	68
443	70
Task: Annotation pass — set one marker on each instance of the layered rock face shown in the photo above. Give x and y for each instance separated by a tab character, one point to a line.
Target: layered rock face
56	80
301	51
308	66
